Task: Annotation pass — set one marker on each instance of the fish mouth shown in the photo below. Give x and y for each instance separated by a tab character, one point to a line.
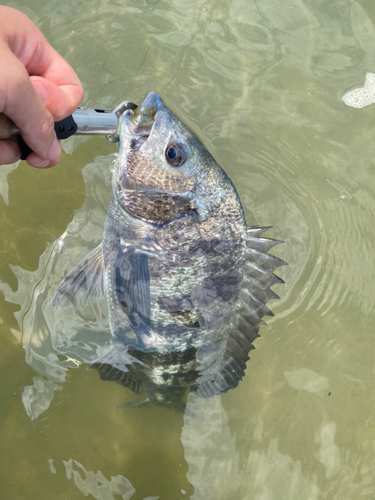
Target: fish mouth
139	123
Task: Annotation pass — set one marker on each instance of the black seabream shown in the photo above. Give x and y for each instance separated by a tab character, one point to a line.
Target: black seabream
185	279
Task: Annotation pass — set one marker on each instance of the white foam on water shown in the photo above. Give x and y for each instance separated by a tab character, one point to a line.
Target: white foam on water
363	96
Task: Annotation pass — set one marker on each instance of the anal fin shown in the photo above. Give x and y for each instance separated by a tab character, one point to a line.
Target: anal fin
130	379
115	363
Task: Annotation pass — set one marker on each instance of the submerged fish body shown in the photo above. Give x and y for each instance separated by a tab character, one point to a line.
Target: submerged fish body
185	279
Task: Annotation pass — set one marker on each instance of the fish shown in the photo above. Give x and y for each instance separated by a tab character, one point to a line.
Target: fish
186	280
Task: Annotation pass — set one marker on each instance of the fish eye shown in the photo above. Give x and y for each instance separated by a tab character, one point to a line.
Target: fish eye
175	154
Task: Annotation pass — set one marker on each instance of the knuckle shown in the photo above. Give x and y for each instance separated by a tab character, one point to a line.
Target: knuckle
46	126
15	84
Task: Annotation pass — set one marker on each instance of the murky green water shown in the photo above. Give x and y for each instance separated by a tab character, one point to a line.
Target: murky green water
261	83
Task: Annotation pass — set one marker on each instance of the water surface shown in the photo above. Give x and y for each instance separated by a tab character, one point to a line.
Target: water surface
260	82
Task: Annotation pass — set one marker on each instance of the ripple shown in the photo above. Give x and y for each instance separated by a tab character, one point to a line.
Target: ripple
49	332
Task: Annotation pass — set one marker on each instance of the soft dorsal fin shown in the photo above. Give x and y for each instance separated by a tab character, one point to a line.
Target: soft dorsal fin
220	377
84	284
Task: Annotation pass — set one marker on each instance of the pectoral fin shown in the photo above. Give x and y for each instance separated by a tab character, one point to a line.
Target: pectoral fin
84	284
131	281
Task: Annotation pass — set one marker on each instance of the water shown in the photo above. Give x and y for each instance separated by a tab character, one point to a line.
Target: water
261	83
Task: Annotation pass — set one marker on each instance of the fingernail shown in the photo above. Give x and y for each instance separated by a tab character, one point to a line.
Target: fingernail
41	91
42	164
54	151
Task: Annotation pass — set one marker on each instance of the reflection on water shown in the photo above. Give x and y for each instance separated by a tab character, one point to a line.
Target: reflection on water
262	85
96	484
210	450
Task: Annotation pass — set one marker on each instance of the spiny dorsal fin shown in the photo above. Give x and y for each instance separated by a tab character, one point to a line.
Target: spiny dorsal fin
262	275
252	307
84	284
263	292
256	231
253	239
248	299
264	259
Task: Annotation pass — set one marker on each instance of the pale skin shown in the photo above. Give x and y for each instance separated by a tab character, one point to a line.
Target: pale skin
37	88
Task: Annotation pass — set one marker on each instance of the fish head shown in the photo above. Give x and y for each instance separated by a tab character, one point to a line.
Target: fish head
163	170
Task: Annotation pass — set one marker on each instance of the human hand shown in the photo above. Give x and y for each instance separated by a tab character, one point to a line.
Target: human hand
37	88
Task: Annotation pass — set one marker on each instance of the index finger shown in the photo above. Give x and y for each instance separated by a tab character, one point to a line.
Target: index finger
61	84
44	64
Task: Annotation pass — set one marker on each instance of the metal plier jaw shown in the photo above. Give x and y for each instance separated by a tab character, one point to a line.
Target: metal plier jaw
119	111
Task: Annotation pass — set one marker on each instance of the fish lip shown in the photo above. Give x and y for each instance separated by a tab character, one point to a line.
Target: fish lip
153	99
131	131
138	124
